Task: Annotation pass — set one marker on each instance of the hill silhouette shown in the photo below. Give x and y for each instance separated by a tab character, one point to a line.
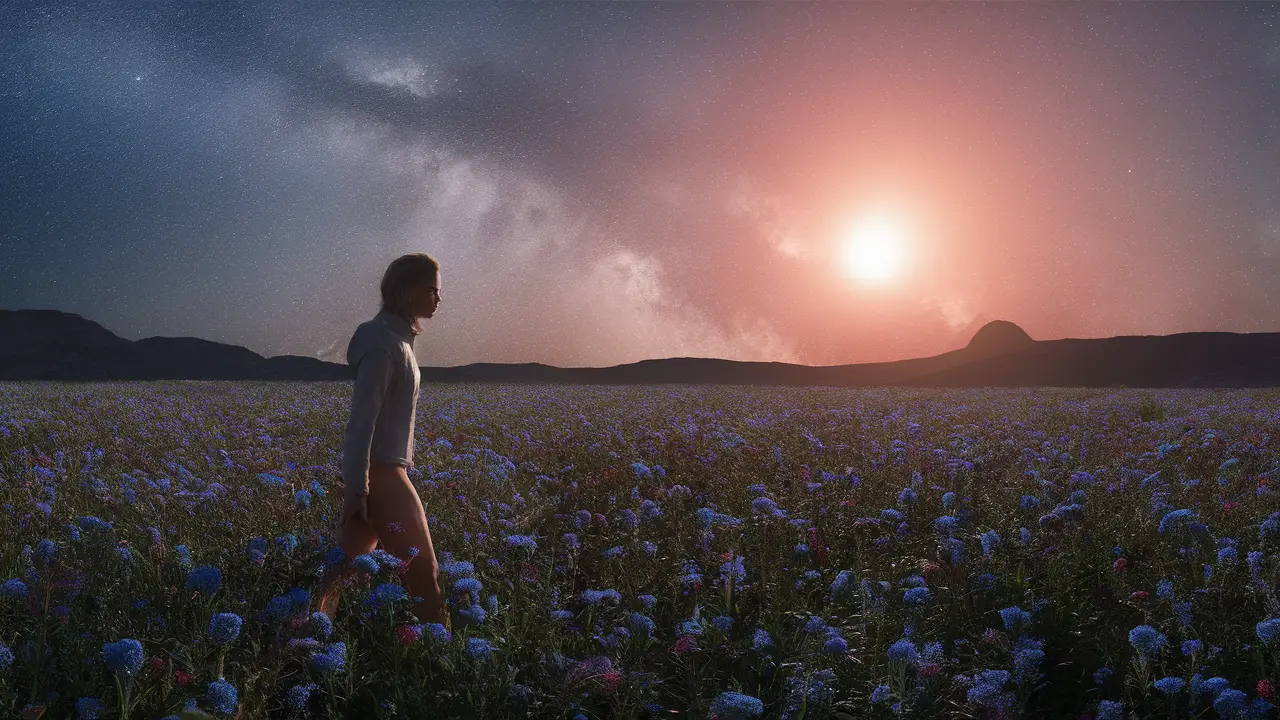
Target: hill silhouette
55	345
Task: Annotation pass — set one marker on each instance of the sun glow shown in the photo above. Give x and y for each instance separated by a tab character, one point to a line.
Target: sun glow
873	249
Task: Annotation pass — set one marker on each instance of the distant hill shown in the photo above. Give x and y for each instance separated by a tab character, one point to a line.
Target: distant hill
54	345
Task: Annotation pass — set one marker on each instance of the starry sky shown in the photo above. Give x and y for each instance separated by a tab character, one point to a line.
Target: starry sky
606	183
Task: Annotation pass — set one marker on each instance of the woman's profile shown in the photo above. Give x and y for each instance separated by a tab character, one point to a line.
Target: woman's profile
380	503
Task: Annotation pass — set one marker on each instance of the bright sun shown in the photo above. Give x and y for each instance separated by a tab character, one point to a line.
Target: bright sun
873	249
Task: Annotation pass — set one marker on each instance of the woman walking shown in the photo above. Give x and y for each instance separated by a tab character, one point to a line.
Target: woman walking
379	501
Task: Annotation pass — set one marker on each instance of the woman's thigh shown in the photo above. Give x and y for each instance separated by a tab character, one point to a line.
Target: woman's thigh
395	510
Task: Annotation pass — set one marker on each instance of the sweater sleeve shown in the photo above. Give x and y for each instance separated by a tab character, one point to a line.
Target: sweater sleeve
373	378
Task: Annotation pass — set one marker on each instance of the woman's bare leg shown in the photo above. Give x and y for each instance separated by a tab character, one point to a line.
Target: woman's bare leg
397	515
355	538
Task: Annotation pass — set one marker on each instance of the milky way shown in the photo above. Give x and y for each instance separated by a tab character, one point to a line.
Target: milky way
609	183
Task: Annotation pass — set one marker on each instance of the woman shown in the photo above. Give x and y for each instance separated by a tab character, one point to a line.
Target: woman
379	501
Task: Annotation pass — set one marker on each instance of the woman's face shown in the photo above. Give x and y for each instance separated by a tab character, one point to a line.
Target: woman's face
425	298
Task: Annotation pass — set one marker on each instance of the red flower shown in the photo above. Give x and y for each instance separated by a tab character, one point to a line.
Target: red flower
610	680
930	670
1265	689
157	665
1139	595
1120	565
182	678
408	634
1228	507
685	644
932	567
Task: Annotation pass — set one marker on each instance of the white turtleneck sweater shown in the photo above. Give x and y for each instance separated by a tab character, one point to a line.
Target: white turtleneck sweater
384	401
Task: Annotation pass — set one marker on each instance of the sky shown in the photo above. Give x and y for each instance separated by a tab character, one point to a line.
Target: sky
818	183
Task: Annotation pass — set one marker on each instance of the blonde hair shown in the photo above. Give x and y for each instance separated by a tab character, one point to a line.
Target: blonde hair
401	276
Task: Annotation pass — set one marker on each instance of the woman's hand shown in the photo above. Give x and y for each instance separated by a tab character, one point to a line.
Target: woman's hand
356	506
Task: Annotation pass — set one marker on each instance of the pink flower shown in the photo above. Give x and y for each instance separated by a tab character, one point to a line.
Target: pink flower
1120	565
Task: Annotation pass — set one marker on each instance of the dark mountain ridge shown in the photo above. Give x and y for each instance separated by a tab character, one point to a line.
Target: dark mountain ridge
55	345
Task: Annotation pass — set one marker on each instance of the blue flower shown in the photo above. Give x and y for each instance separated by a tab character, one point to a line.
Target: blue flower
321	625
458	569
438	632
45	550
1231	703
124	657
467	585
272	480
1174	519
205	580
906	497
986	687
990	539
881	694
286	544
222	696
298	695
1170	685
1013	617
479	648
302	499
365	563
844	585
570	540
88	708
764	506
835	645
595	597
6	657
1182	612
916	596
723	623
648	600
1147	640
1191	647
736	706
761	642
1026	664
904	651
1029	502
1101	675
385	595
14	588
1110	710
1268	630
948	499
641	624
331	660
526	542
224	628
1164	590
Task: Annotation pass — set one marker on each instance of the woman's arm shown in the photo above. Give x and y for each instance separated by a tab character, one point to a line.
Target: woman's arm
373	377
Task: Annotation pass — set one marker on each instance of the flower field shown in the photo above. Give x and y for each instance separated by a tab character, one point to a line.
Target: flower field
647	551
